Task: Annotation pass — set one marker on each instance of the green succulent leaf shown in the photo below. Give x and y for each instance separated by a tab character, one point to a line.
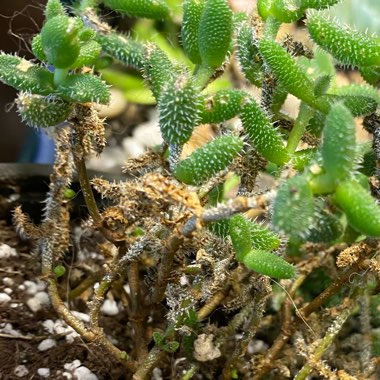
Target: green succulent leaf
286	10
293	208
89	53
338	143
192	11
318	4
289	74
122	48
215	32
60	42
264	8
40	111
84	88
264	137
224	105
37	48
54	8
268	264
154	9
180	110
25	75
158	70
348	46
208	160
361	210
371	74
303	158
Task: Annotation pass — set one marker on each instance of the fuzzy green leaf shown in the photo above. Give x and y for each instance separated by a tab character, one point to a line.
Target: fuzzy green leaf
89	52
39	111
84	88
361	210
208	160
348	46
54	8
122	48
215	32
37	48
24	75
59	39
266	139
154	9
192	11
338	143
180	110
318	4
293	208
268	264
286	10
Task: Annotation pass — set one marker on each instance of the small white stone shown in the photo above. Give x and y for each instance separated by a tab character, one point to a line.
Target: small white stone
40	300
4	298
21	371
83	373
148	134
43	372
48	325
110	308
30	288
67	375
7	281
6	251
82	316
46	344
8	290
132	147
73	365
21	287
8	329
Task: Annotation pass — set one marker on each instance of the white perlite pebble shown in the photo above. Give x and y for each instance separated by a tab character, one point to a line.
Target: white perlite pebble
33	287
4	298
73	365
6	251
46	344
21	371
8	290
110	308
83	373
7	281
37	302
43	372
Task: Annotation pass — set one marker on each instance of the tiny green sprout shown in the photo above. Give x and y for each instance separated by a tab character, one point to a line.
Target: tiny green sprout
84	88
59	271
123	355
54	8
338	143
265	138
69	194
268	264
293	208
192	11
37	48
348	46
361	210
224	105
215	32
60	42
289	74
264	8
208	160
286	10
303	158
234	373
154	9
25	76
40	111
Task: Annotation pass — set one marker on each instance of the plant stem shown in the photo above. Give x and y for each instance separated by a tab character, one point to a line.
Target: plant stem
304	115
202	74
143	372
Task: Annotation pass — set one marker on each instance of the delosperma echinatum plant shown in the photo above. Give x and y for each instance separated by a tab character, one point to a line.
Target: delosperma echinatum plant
199	246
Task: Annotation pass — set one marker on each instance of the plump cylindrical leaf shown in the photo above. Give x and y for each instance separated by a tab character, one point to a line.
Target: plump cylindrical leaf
208	160
286	10
84	88
40	111
192	11
324	228
338	142
215	32
266	139
289	73
346	45
89	53
180	110
224	105
362	212
158	70
54	8
318	4
37	48
155	9
59	39
268	264
122	48
293	208
24	75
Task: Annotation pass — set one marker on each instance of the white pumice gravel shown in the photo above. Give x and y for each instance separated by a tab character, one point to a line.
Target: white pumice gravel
6	251
8	291
43	372
31	287
8	281
21	371
7	328
46	344
4	298
82	316
40	300
83	373
110	308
